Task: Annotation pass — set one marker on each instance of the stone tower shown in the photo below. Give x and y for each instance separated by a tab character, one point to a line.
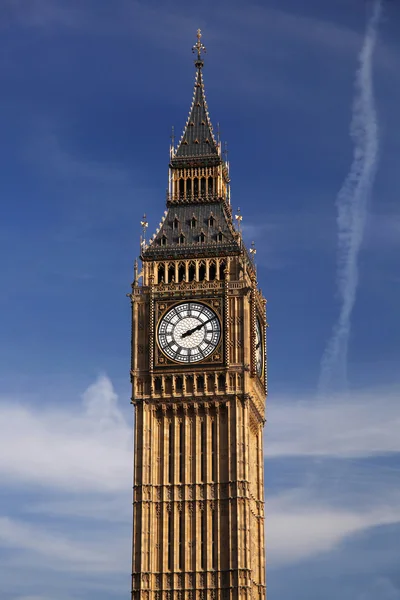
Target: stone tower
198	373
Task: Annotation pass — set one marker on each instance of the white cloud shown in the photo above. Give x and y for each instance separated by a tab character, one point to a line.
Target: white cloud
85	453
87	448
298	527
359	424
99	553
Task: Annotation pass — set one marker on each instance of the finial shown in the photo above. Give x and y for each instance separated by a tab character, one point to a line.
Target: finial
173	136
238	218
226	153
135	273
199	48
144	225
253	250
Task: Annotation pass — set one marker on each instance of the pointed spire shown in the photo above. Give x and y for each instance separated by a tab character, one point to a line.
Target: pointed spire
198	138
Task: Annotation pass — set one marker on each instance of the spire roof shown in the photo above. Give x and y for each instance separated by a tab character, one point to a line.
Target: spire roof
198	138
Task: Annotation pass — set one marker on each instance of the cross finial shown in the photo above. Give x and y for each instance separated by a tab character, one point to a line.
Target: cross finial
199	48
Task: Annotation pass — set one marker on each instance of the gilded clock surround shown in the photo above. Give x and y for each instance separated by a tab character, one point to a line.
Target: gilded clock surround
198	495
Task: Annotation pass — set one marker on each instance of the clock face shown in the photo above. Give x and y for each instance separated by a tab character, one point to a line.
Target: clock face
189	332
259	349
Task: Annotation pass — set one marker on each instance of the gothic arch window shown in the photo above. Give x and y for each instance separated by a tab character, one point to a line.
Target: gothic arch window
200	383
181	239
221	383
222	270
220	236
210	185
202	237
193	222
179	383
171	272
195	186
181	272
158	385
211	220
212	271
181	187
161	273
175	223
192	271
203	186
202	271
163	240
188	187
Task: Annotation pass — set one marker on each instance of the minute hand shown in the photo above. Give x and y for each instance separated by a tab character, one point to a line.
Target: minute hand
197	328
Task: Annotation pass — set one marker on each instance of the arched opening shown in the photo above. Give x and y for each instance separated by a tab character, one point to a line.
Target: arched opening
202	237
200	383
188	188
171	273
203	186
220	237
158	385
221	382
212	271
163	240
189	384
195	186
168	386
161	273
202	272
192	271
175	223
222	269
193	222
179	384
211	221
210	185
181	187
181	272
181	239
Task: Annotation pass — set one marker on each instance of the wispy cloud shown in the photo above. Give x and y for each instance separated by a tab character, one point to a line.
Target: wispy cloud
360	424
102	553
298	526
352	204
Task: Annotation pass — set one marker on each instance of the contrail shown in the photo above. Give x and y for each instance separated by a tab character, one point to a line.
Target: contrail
352	204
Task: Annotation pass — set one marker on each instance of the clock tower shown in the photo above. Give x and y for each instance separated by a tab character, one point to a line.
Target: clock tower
198	372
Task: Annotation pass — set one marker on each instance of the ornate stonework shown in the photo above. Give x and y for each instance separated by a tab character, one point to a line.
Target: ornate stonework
198	496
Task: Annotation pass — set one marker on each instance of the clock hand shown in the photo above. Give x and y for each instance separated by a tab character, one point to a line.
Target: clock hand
197	328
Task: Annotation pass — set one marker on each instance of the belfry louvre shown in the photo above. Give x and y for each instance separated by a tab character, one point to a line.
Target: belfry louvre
198	373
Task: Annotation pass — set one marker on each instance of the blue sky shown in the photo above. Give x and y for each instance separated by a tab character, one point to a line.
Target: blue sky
89	92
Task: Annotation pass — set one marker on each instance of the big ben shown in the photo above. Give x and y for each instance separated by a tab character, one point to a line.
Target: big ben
198	373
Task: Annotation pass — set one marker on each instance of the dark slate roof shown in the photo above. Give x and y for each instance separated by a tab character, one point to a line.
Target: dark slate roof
197	139
182	215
